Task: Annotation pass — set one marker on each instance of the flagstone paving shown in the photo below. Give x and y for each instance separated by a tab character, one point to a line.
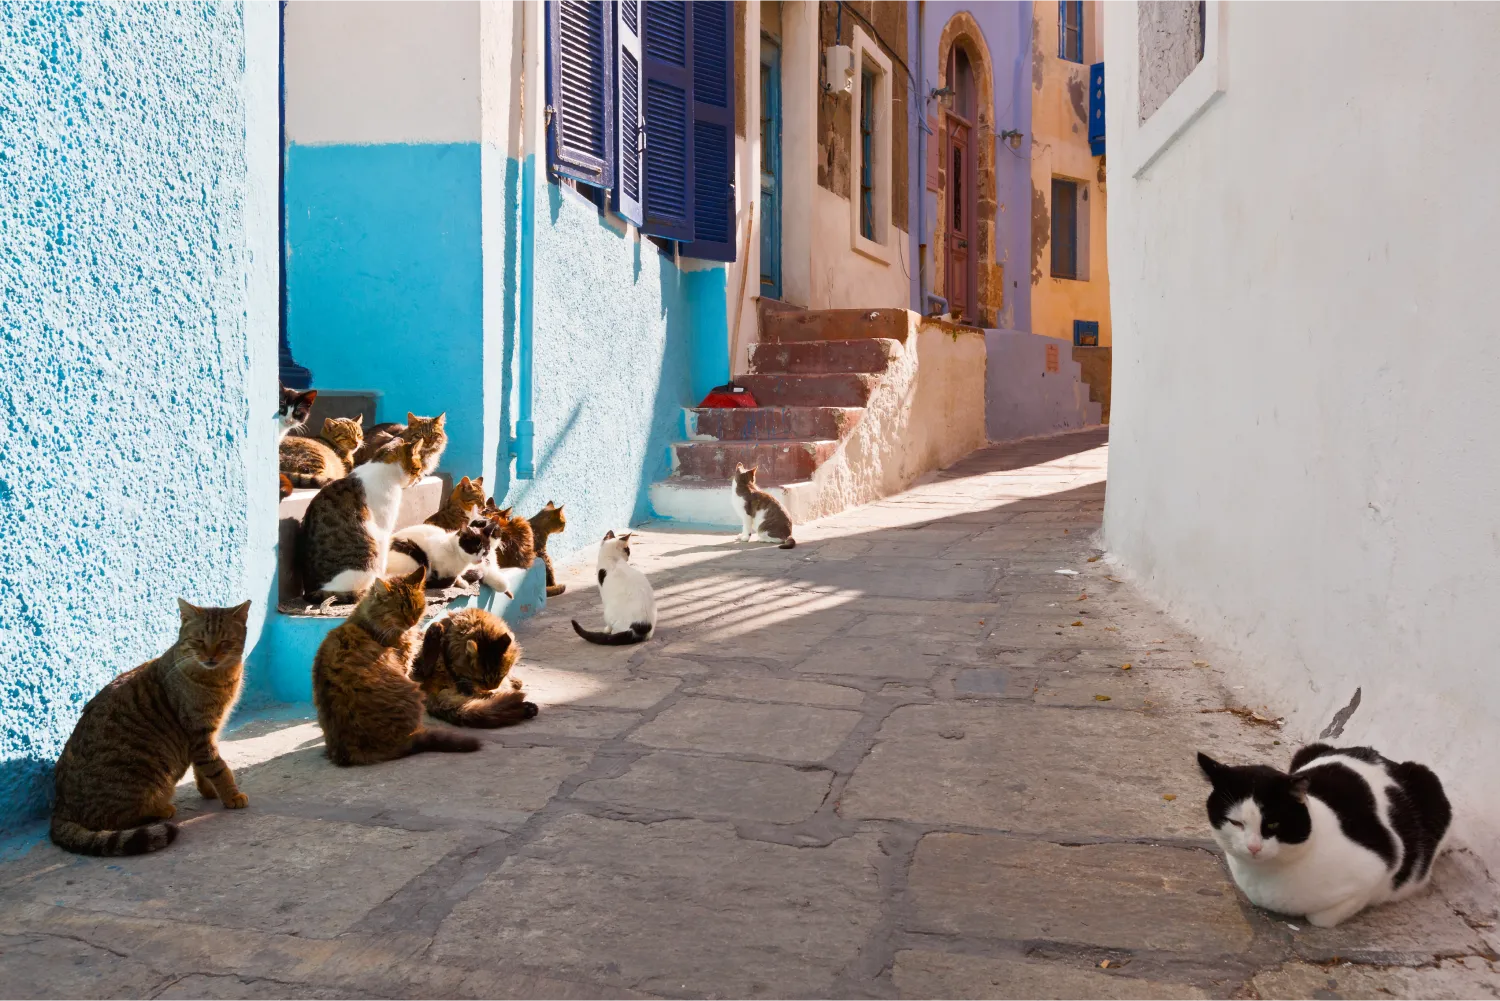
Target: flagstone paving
902	760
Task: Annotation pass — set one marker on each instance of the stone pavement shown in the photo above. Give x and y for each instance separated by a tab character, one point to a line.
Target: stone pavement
903	760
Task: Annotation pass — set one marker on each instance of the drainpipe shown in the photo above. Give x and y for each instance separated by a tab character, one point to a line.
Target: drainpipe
922	142
522	444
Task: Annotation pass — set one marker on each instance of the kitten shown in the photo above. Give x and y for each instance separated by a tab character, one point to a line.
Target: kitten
293	411
426	430
514	546
1344	830
464	660
447	556
760	513
317	462
347	528
548	521
118	773
629	605
368	707
463	505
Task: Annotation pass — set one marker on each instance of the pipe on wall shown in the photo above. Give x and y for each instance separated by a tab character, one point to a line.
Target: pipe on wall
523	444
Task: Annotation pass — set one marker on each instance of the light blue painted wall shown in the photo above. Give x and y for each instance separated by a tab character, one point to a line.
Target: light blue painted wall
385	280
137	347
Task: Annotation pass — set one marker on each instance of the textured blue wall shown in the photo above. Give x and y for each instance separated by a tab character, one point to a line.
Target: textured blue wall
135	394
385	280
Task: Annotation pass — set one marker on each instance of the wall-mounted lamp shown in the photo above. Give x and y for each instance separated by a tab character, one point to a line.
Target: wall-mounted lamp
1012	138
943	95
839	67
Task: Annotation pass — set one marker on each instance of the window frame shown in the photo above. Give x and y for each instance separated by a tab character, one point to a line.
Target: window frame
868	55
1073	188
1064	8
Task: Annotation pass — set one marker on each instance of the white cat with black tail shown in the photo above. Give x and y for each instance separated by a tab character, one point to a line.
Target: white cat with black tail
629	604
1344	830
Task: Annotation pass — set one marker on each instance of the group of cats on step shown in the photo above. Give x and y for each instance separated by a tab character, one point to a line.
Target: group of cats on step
348	536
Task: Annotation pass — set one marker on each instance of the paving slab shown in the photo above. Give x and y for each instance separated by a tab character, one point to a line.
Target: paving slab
1113	896
39	966
714	787
788	733
1471	977
922	973
764	689
1410	932
678	907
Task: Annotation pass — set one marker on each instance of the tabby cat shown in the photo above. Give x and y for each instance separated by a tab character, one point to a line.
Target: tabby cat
548	521
426	430
368	707
342	543
464	660
317	462
464	504
515	547
118	772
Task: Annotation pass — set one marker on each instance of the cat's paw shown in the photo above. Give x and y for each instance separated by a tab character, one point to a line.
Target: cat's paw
530	709
237	802
515	683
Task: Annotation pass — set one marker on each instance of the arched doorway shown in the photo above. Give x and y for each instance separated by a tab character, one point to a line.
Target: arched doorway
966	273
961	202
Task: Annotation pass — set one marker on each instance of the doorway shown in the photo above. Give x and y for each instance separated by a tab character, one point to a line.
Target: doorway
961	203
770	169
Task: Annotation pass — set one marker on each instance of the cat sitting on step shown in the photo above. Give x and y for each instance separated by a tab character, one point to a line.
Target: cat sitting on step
446	555
1345	829
629	604
760	514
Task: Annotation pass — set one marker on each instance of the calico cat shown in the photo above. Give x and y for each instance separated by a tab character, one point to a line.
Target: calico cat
428	431
629	605
464	660
317	462
548	521
464	504
368	707
447	556
293	410
118	772
1345	829
760	513
342	543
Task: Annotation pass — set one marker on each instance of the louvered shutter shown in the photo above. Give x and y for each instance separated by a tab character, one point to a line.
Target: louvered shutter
667	100
629	130
580	59
713	131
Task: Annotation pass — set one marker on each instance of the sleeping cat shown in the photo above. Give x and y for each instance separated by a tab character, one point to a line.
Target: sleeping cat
317	462
1344	830
293	411
344	535
464	504
368	707
629	605
759	511
118	773
548	521
446	555
428	431
464	660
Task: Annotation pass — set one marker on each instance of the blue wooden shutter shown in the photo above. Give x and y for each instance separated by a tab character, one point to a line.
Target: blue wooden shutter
1096	109
580	128
629	131
713	131
667	100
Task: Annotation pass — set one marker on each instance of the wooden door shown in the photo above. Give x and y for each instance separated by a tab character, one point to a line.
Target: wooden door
770	169
958	267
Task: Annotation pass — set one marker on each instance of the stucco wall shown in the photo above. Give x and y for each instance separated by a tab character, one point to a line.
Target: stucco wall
1167	45
1022	398
1298	469
138	292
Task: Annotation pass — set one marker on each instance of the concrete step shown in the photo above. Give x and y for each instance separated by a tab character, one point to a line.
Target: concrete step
772	423
866	354
833	389
711	503
777	461
339	405
786	326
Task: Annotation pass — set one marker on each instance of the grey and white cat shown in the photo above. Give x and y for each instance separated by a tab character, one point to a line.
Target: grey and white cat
1344	830
447	555
760	514
629	603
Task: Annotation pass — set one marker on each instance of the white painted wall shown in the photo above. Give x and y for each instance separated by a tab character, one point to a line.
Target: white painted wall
1303	463
392	71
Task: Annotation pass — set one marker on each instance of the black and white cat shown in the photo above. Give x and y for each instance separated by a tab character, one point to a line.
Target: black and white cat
1346	829
446	555
629	604
292	412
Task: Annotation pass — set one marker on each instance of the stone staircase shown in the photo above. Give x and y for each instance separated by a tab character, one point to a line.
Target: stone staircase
816	376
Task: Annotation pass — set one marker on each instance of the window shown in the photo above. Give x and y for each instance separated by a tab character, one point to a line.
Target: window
1064	228
640	105
870	210
1070	30
867	156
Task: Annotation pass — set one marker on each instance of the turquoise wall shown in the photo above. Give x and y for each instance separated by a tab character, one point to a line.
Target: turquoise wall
137	348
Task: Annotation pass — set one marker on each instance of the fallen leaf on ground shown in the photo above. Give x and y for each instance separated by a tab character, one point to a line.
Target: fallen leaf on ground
1104	965
1200	663
1169	796
1125	666
1081	597
1115	579
1101	698
1155	642
1093	559
1111	629
1078	623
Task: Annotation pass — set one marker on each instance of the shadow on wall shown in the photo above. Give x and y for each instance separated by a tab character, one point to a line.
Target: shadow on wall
1033	386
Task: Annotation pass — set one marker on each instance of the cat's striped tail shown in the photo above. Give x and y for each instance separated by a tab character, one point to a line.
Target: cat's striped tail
305	480
487	711
637	632
789	543
443	740
131	841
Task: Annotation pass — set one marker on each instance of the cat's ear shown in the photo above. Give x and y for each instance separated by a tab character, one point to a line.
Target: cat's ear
1211	768
411	418
551	505
416	578
464	482
359	420
473	649
479	481
626	536
241	612
739	469
1299	788
502	644
437	421
308	397
188	610
609	535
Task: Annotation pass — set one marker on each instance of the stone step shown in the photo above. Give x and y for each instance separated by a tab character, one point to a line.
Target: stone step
832	389
772	423
709	502
776	461
339	405
786	326
866	354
